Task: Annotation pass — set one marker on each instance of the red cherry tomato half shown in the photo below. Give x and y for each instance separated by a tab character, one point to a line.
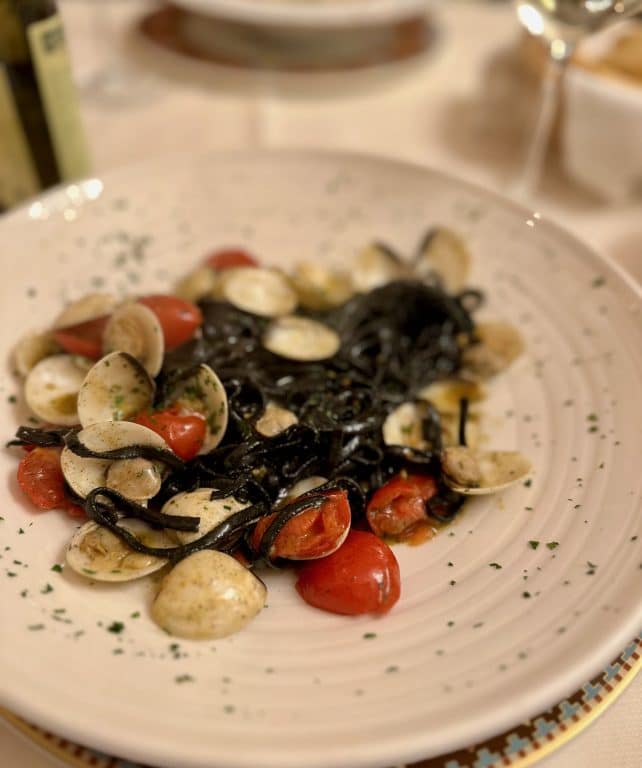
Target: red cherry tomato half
179	319
400	504
311	534
362	576
183	432
83	338
41	478
230	257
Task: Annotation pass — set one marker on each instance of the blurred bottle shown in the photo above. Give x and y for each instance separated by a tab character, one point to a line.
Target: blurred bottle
42	141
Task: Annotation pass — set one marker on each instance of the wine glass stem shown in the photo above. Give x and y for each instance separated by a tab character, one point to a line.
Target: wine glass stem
538	143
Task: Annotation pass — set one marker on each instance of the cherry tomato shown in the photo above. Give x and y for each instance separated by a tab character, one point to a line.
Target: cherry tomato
362	576
400	504
183	432
75	511
311	534
83	338
230	257
179	319
41	478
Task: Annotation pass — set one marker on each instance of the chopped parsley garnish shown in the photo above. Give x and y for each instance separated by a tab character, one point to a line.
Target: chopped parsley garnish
184	679
57	568
552	544
533	543
496	566
116	627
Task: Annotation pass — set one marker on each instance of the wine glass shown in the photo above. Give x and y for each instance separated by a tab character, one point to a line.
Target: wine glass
560	24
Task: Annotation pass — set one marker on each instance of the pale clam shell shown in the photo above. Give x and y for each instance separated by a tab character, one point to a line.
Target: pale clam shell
85	474
301	339
135	329
98	554
52	386
208	595
117	387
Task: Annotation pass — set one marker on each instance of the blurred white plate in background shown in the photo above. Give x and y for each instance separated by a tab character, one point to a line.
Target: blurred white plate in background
310	12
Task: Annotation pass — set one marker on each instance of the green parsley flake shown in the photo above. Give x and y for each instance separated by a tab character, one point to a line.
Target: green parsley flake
184	679
116	627
57	568
496	566
533	544
552	544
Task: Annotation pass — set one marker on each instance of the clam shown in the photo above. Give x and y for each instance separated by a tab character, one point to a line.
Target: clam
137	479
405	426
498	345
88	307
301	339
197	284
31	349
116	387
97	553
264	292
305	485
444	253
135	329
52	386
320	287
476	473
203	393
275	420
199	503
446	397
375	266
208	595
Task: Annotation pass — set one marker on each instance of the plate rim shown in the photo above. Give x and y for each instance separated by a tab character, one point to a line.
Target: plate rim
413	749
288	13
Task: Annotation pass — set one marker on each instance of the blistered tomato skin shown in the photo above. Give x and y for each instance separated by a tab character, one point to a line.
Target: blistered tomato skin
179	318
83	338
400	504
41	479
183	432
311	534
362	576
228	258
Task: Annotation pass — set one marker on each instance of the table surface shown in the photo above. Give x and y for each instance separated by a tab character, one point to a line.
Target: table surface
447	109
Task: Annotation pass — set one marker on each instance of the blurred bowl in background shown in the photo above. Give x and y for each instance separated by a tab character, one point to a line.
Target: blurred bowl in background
318	13
601	130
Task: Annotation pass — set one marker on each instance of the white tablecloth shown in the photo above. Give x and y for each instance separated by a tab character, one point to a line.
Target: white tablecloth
448	110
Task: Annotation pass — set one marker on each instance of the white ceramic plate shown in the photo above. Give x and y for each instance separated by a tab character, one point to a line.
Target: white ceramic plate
309	13
453	663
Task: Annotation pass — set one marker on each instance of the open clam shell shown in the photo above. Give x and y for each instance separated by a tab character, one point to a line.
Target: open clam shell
301	339
476	473
31	349
376	265
84	474
88	307
97	553
498	345
204	393
52	386
116	387
135	329
199	504
198	284
319	287
264	292
446	397
275	420
444	253
405	426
